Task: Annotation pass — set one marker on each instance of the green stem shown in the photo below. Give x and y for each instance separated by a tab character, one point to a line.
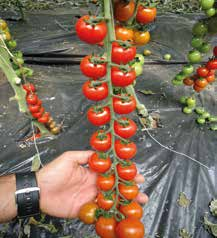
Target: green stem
131	20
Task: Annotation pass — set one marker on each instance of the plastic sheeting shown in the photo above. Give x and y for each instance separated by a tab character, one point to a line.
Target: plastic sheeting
167	173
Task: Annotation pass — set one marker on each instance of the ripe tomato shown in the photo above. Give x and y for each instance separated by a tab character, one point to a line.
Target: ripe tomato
132	210
125	127
95	93
99	116
123	33
197	88
92	68
105	182
123	10
202	72
146	15
201	82
130	192
127	172
130	228
212	64
100	141
44	119
29	87
105	202
34	108
125	150
124	106
99	163
39	103
105	227
87	213
39	113
210	78
122	54
90	33
122	79
215	51
32	98
141	37
188	81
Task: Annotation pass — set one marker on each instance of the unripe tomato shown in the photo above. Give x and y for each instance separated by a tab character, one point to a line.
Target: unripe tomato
87	213
194	56
200	29
3	25
207	4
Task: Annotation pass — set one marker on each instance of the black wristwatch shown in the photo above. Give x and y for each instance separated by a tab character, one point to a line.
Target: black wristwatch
27	195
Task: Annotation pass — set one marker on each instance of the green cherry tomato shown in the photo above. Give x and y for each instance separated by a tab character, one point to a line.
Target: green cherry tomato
212	119
205	48
187	110
205	115
213	128
191	102
188	70
167	57
199	29
207	4
138	68
196	42
194	56
180	77
177	82
199	110
183	99
12	44
201	120
147	52
140	58
211	12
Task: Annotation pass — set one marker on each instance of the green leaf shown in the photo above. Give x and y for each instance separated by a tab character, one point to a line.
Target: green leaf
36	163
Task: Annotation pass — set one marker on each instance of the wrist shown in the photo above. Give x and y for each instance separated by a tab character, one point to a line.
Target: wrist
41	186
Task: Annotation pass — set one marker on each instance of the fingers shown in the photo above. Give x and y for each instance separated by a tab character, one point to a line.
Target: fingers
142	198
81	157
139	179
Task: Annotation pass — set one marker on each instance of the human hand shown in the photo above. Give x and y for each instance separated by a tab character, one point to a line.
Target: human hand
66	185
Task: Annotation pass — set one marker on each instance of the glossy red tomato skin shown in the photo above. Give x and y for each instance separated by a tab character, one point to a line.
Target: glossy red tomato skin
125	131
43	119
210	78
99	118
212	64
99	165
105	227
125	151
128	172
29	87
122	79
34	108
91	70
123	11
87	213
132	210
96	93
100	144
105	183
146	15
121	55
105	203
130	192
215	51
130	228
89	33
32	98
124	107
39	113
202	72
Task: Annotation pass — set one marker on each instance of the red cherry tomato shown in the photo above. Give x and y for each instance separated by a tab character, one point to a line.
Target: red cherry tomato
202	72
127	172
95	93
105	182
197	88
29	87
122	79
123	11
122	54
105	202
124	106
105	227
132	210
212	64
146	15
100	141
39	103
215	51
99	116
39	113
34	108
188	81
44	119
99	163
32	98
94	69
201	82
125	127
210	78
125	150
123	33
87	213
130	192
130	228
90	33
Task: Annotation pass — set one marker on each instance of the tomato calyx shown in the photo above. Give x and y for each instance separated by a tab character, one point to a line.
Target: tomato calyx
101	135
123	44
125	163
102	155
125	142
93	20
97	60
124	97
124	122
